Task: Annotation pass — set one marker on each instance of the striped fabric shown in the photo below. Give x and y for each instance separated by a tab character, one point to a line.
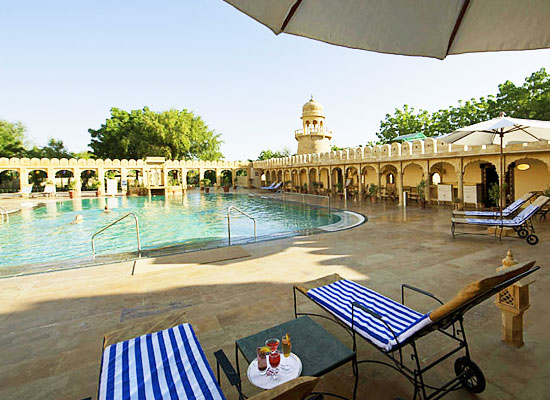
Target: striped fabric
505	212
169	364
338	296
520	219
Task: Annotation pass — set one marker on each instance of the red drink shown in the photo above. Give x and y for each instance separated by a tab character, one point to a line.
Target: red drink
274	359
272	344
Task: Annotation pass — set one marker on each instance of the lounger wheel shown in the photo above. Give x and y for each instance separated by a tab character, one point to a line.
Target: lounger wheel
472	379
532	239
523	233
517	228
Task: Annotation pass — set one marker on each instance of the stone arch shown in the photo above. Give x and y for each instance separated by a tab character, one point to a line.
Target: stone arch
174	177
324	178
88	179
521	181
192	176
337	179
37	178
280	176
211	175
62	179
9	181
226	177
313	178
413	173
446	170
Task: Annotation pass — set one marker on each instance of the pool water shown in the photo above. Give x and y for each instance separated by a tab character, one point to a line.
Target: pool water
45	235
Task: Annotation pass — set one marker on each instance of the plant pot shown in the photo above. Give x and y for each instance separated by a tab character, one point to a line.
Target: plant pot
202	188
373	199
72	194
207	190
422	203
226	189
97	193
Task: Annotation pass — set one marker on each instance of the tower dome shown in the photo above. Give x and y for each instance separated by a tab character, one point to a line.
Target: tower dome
313	137
312	109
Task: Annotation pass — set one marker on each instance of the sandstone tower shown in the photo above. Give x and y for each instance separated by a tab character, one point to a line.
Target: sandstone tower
313	137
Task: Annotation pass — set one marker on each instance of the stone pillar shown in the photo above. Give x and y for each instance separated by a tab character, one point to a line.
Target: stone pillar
513	302
218	178
360	183
308	177
461	182
123	177
400	184
234	177
183	179
379	193
23	178
101	179
329	181
78	180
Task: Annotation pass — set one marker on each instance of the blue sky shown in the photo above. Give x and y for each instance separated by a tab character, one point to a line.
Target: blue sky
64	64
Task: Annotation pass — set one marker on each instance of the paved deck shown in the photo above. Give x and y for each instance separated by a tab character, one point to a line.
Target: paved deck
51	325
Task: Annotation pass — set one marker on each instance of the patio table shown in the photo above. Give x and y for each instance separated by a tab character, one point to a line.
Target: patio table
319	351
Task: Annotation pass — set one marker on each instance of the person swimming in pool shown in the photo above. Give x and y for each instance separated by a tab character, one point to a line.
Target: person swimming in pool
78	219
107	210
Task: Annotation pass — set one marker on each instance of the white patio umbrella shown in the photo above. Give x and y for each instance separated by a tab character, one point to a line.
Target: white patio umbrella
430	28
502	131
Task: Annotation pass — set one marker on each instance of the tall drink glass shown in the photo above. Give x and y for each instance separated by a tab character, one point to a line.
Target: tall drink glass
287	347
262	360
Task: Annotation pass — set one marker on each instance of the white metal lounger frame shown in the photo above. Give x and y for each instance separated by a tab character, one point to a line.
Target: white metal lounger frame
524	229
468	374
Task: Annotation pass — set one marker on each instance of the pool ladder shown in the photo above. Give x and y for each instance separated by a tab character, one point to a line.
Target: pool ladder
4	211
113	223
229	222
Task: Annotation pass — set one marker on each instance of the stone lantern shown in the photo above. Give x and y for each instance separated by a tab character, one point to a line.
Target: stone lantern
513	302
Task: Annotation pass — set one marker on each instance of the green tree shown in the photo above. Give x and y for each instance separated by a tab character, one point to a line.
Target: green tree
267	154
530	100
12	138
403	122
173	134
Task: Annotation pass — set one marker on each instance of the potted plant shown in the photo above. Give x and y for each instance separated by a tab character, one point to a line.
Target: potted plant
226	184
288	186
304	188
316	187
457	204
421	187
494	194
373	193
206	184
72	189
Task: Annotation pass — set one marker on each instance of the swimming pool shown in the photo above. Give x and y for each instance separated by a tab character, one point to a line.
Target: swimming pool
41	236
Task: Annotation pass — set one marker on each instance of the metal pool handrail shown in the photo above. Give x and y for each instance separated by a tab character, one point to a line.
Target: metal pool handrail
229	222
113	223
4	211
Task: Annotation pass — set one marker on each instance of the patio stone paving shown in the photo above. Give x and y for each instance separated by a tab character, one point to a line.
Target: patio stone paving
51	325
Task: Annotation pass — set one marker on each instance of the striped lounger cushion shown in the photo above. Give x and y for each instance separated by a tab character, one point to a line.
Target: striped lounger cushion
338	296
169	364
518	220
506	212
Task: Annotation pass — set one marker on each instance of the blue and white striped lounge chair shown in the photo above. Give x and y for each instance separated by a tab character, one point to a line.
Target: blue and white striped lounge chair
390	326
522	223
277	186
507	212
269	187
170	364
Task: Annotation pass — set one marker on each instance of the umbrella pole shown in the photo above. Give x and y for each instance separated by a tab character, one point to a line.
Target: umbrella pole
501	197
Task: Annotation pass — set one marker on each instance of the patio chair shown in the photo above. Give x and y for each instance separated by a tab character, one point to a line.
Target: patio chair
522	223
390	326
269	187
507	212
140	362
